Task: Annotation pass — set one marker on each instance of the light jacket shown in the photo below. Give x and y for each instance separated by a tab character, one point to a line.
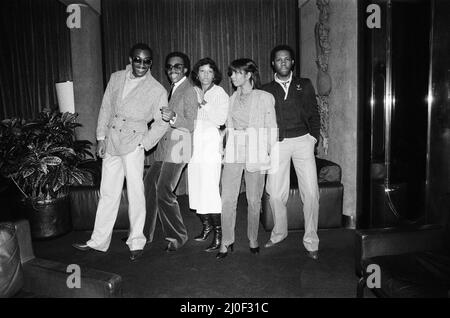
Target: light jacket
261	132
123	122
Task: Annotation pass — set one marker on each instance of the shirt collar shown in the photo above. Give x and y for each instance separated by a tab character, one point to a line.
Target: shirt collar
289	80
284	84
209	87
178	83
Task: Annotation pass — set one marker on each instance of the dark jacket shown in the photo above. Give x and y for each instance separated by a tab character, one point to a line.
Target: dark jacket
300	105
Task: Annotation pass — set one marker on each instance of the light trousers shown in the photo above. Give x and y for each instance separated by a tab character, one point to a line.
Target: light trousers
114	170
231	184
301	151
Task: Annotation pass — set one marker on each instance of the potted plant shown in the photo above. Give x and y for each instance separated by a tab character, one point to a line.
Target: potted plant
43	159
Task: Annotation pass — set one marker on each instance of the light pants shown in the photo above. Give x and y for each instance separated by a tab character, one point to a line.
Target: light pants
231	184
114	170
301	151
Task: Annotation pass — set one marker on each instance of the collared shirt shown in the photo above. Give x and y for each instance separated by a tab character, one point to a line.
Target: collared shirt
131	82
175	85
284	84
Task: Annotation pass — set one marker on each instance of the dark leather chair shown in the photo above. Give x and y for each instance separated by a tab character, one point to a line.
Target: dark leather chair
24	275
413	262
331	193
83	207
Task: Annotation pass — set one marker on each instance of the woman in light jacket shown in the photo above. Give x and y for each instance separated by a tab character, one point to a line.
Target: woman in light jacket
205	165
251	132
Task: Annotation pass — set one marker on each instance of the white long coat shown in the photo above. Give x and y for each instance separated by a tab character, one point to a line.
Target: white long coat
205	165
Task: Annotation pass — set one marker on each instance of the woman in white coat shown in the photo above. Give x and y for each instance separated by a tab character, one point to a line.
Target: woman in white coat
204	167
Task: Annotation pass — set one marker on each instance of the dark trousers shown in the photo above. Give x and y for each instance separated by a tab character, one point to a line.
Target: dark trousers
160	182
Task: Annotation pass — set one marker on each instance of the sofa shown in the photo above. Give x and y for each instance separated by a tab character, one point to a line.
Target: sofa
84	200
25	276
403	262
331	193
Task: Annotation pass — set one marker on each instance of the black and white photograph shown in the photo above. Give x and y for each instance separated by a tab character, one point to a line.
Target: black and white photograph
226	157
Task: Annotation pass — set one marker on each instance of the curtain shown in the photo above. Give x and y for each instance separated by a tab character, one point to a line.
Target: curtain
221	29
35	53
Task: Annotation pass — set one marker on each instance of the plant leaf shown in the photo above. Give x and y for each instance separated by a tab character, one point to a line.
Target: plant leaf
28	172
51	161
77	178
64	150
43	168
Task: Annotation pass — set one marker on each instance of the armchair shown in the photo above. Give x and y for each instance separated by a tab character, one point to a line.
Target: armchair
413	262
24	275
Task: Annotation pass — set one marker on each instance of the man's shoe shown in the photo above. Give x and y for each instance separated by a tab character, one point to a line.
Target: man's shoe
82	247
254	250
136	254
170	248
313	254
269	244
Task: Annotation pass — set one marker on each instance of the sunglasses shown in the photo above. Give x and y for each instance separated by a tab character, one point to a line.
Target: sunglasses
178	67
138	60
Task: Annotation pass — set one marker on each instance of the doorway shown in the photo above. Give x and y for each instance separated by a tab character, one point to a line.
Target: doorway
393	122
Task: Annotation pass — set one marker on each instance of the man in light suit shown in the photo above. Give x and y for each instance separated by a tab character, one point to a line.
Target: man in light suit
172	154
132	99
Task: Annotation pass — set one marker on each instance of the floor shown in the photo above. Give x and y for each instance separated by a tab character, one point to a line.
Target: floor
283	271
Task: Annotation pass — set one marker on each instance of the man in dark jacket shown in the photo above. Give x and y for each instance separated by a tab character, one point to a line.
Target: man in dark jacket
299	126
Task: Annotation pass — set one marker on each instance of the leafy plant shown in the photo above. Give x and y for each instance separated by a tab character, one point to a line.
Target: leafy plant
42	156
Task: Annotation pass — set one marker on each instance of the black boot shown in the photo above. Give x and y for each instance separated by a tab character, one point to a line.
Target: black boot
207	227
215	245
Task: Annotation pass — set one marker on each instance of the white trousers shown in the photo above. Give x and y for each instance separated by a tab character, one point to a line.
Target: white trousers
301	151
114	170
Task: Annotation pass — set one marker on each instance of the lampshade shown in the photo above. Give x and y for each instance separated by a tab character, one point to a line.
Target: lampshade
66	101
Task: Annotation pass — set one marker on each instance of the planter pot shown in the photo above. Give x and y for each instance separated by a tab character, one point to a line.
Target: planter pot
48	219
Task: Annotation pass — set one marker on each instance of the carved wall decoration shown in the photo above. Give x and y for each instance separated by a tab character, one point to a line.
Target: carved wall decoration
323	49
